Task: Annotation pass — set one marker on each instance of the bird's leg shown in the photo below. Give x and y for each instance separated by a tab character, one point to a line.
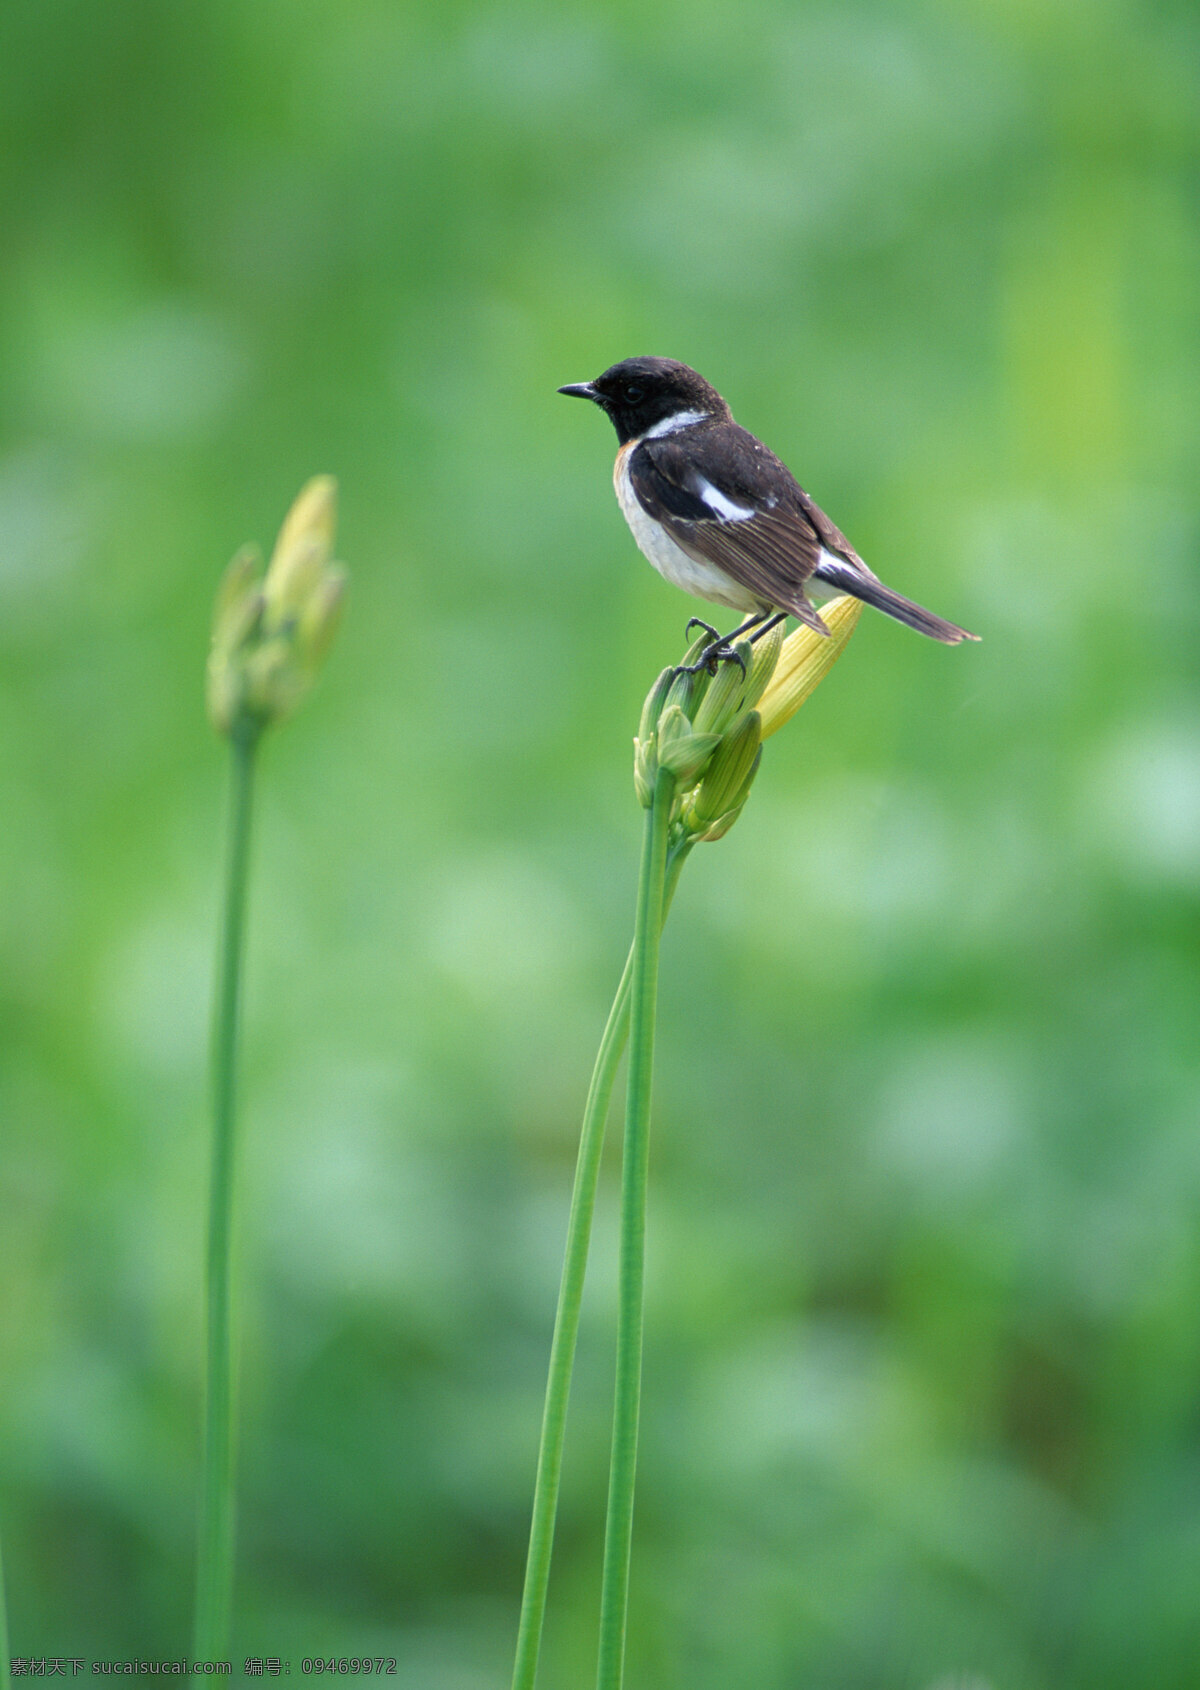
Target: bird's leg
771	622
722	649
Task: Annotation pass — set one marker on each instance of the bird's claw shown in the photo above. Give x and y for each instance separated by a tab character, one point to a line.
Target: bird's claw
712	656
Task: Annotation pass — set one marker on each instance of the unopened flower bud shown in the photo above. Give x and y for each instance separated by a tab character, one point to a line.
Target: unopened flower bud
320	616
270	635
645	770
238	593
806	659
681	750
693	654
652	708
719	828
766	659
730	773
685	691
304	547
722	701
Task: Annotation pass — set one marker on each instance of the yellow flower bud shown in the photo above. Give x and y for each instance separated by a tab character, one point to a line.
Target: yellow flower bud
270	636
320	616
806	659
303	549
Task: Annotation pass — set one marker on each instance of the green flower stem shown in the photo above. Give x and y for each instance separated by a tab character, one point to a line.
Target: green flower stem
635	1163
214	1561
5	1660
566	1330
566	1319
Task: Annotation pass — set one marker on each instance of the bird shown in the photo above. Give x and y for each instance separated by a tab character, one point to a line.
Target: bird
720	516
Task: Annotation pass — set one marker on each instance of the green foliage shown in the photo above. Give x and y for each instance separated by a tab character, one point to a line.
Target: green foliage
923	1272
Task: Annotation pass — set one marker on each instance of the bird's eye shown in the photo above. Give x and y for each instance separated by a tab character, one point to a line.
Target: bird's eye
632	395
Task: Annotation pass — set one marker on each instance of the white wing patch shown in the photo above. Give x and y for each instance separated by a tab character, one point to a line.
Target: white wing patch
717	502
837	569
693	574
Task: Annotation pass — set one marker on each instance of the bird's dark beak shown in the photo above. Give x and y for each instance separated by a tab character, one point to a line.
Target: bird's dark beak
580	390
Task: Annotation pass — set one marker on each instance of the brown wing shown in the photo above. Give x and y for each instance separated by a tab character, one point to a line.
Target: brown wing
771	552
830	535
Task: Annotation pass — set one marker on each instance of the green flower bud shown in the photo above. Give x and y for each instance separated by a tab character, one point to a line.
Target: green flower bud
680	749
645	771
722	701
237	594
655	699
718	829
225	694
684	692
766	657
237	622
727	781
696	650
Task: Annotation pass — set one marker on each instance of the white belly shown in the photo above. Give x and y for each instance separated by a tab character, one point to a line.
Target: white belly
694	575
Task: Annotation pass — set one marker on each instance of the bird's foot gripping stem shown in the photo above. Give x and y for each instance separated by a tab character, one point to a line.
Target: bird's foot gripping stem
722	648
718	650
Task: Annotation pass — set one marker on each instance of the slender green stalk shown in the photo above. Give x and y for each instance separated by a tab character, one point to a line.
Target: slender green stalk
214	1561
566	1319
614	1595
5	1659
566	1330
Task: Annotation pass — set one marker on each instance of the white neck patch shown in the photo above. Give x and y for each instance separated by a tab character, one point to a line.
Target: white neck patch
672	425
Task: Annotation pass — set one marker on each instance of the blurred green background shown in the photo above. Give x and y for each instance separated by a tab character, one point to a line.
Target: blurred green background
923	1374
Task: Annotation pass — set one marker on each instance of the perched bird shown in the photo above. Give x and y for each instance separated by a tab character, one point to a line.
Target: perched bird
719	515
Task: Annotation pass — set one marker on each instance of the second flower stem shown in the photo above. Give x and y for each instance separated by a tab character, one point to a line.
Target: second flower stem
614	1595
214	1569
5	1663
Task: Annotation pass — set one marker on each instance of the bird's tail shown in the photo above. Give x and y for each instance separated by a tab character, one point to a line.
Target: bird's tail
872	591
